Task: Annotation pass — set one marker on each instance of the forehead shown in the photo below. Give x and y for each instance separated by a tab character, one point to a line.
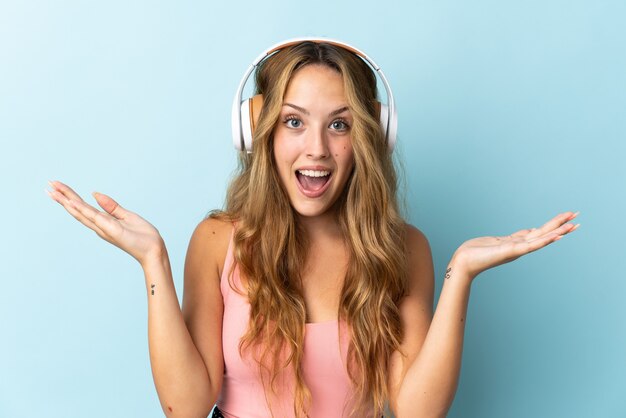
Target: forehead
314	82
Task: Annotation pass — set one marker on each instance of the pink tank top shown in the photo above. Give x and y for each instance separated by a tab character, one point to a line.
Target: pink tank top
324	364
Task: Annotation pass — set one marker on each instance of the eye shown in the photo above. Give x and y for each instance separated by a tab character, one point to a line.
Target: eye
340	125
292	121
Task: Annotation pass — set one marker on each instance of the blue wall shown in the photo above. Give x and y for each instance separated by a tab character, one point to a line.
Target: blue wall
509	113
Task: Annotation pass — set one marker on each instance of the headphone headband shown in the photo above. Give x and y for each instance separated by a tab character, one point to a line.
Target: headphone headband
244	141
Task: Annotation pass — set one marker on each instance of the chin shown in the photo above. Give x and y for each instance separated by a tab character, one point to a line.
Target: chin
310	212
315	209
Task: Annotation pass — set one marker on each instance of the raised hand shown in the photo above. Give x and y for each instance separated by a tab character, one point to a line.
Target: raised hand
480	254
122	228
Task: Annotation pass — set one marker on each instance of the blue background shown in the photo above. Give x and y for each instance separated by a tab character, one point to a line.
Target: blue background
509	113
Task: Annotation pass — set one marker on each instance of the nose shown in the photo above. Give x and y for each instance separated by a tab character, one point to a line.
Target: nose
316	146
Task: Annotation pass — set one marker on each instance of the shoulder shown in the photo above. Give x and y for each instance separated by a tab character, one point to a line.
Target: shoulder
414	235
417	245
420	261
216	226
209	244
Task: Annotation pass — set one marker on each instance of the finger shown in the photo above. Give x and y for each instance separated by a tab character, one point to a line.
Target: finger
523	232
551	225
75	210
57	197
562	230
106	202
70	207
556	234
64	190
111	206
525	247
529	245
101	223
102	220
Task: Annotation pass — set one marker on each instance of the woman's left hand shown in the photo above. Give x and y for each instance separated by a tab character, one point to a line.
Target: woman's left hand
480	254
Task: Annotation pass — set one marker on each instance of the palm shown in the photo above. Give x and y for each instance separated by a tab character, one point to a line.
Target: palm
480	254
121	227
133	233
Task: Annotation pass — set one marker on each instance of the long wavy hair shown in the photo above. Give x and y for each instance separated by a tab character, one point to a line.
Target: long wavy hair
271	246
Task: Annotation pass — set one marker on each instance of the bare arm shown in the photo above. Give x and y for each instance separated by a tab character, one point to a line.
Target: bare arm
185	345
431	381
424	383
180	375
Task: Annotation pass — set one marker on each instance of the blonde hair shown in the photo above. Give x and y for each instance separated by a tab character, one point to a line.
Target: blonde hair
270	245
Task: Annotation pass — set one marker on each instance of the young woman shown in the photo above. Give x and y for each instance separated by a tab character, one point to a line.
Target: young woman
308	295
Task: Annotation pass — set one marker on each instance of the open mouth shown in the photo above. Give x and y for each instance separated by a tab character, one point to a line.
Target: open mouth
313	183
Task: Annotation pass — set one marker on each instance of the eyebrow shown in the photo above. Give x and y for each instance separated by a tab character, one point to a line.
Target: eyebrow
306	112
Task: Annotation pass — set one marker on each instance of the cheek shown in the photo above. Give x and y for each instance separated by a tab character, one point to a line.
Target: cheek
344	155
283	158
285	147
279	152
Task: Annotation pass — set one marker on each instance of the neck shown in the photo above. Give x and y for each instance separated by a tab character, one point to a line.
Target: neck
321	228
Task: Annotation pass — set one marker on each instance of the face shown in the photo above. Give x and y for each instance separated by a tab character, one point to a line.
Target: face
312	140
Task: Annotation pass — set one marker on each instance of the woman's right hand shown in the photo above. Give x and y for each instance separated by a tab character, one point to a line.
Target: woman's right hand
121	227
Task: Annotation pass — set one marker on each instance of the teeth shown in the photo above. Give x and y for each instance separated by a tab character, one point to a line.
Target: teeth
314	173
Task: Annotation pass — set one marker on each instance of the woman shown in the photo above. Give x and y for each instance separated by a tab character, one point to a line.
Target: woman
308	295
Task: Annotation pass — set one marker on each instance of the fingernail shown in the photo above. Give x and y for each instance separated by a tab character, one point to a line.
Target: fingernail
575	228
51	185
574	215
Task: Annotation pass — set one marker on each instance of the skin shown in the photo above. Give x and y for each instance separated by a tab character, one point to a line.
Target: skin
427	376
314	130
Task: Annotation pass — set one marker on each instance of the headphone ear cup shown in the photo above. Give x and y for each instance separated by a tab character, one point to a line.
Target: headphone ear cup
250	112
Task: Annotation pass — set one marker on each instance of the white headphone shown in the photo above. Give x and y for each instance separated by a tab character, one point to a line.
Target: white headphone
245	113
